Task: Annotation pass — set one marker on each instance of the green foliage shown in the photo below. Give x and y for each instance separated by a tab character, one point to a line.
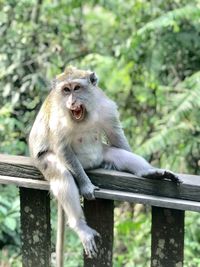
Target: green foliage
132	237
146	54
9	209
10	142
9	230
172	19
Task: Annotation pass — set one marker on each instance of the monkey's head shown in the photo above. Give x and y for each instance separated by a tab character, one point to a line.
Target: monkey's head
75	88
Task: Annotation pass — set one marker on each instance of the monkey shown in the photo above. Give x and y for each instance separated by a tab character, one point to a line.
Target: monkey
66	140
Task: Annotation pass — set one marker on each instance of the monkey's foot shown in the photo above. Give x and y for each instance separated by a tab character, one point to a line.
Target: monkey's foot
87	236
155	173
87	190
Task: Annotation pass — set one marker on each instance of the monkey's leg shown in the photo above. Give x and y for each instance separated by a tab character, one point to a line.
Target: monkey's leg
63	186
66	192
123	160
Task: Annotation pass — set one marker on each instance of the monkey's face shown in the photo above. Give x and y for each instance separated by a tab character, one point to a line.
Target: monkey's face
72	91
76	95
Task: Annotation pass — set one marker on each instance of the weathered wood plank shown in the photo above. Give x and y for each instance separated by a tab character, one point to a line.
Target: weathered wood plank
164	202
35	227
100	216
189	190
15	160
27	183
167	237
18	166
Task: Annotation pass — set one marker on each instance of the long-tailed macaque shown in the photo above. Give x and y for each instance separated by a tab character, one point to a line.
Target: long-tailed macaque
66	140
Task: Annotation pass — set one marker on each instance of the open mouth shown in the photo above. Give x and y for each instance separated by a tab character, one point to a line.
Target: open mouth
78	113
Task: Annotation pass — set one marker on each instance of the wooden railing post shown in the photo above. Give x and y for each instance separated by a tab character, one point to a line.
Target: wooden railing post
167	237
35	228
99	215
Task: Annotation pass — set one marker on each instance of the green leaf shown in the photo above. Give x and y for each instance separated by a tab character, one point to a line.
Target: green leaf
10	223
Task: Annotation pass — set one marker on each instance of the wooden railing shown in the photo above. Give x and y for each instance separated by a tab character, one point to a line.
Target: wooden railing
168	201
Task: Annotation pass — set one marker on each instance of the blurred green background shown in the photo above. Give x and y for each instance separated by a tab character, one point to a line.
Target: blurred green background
147	57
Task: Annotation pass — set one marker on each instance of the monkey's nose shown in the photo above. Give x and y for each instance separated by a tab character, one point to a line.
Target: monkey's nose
71	104
75	106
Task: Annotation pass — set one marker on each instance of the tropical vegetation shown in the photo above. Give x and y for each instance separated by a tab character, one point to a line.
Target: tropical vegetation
147	57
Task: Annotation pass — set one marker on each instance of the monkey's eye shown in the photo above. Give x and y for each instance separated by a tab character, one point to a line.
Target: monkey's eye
77	87
66	90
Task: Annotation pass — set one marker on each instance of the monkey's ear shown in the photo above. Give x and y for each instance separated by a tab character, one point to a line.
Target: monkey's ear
93	78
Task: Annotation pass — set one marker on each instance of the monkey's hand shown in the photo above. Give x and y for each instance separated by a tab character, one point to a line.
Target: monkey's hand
155	173
87	190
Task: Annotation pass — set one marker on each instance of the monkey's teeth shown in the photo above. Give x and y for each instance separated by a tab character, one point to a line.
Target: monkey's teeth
77	113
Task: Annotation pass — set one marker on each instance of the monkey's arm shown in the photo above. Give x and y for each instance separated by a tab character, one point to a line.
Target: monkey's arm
115	134
74	166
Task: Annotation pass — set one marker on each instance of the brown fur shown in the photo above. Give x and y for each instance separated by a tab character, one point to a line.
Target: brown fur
72	73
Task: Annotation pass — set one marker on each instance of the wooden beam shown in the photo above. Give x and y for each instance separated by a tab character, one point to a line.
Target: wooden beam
22	167
27	183
35	227
19	166
100	216
167	237
164	202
